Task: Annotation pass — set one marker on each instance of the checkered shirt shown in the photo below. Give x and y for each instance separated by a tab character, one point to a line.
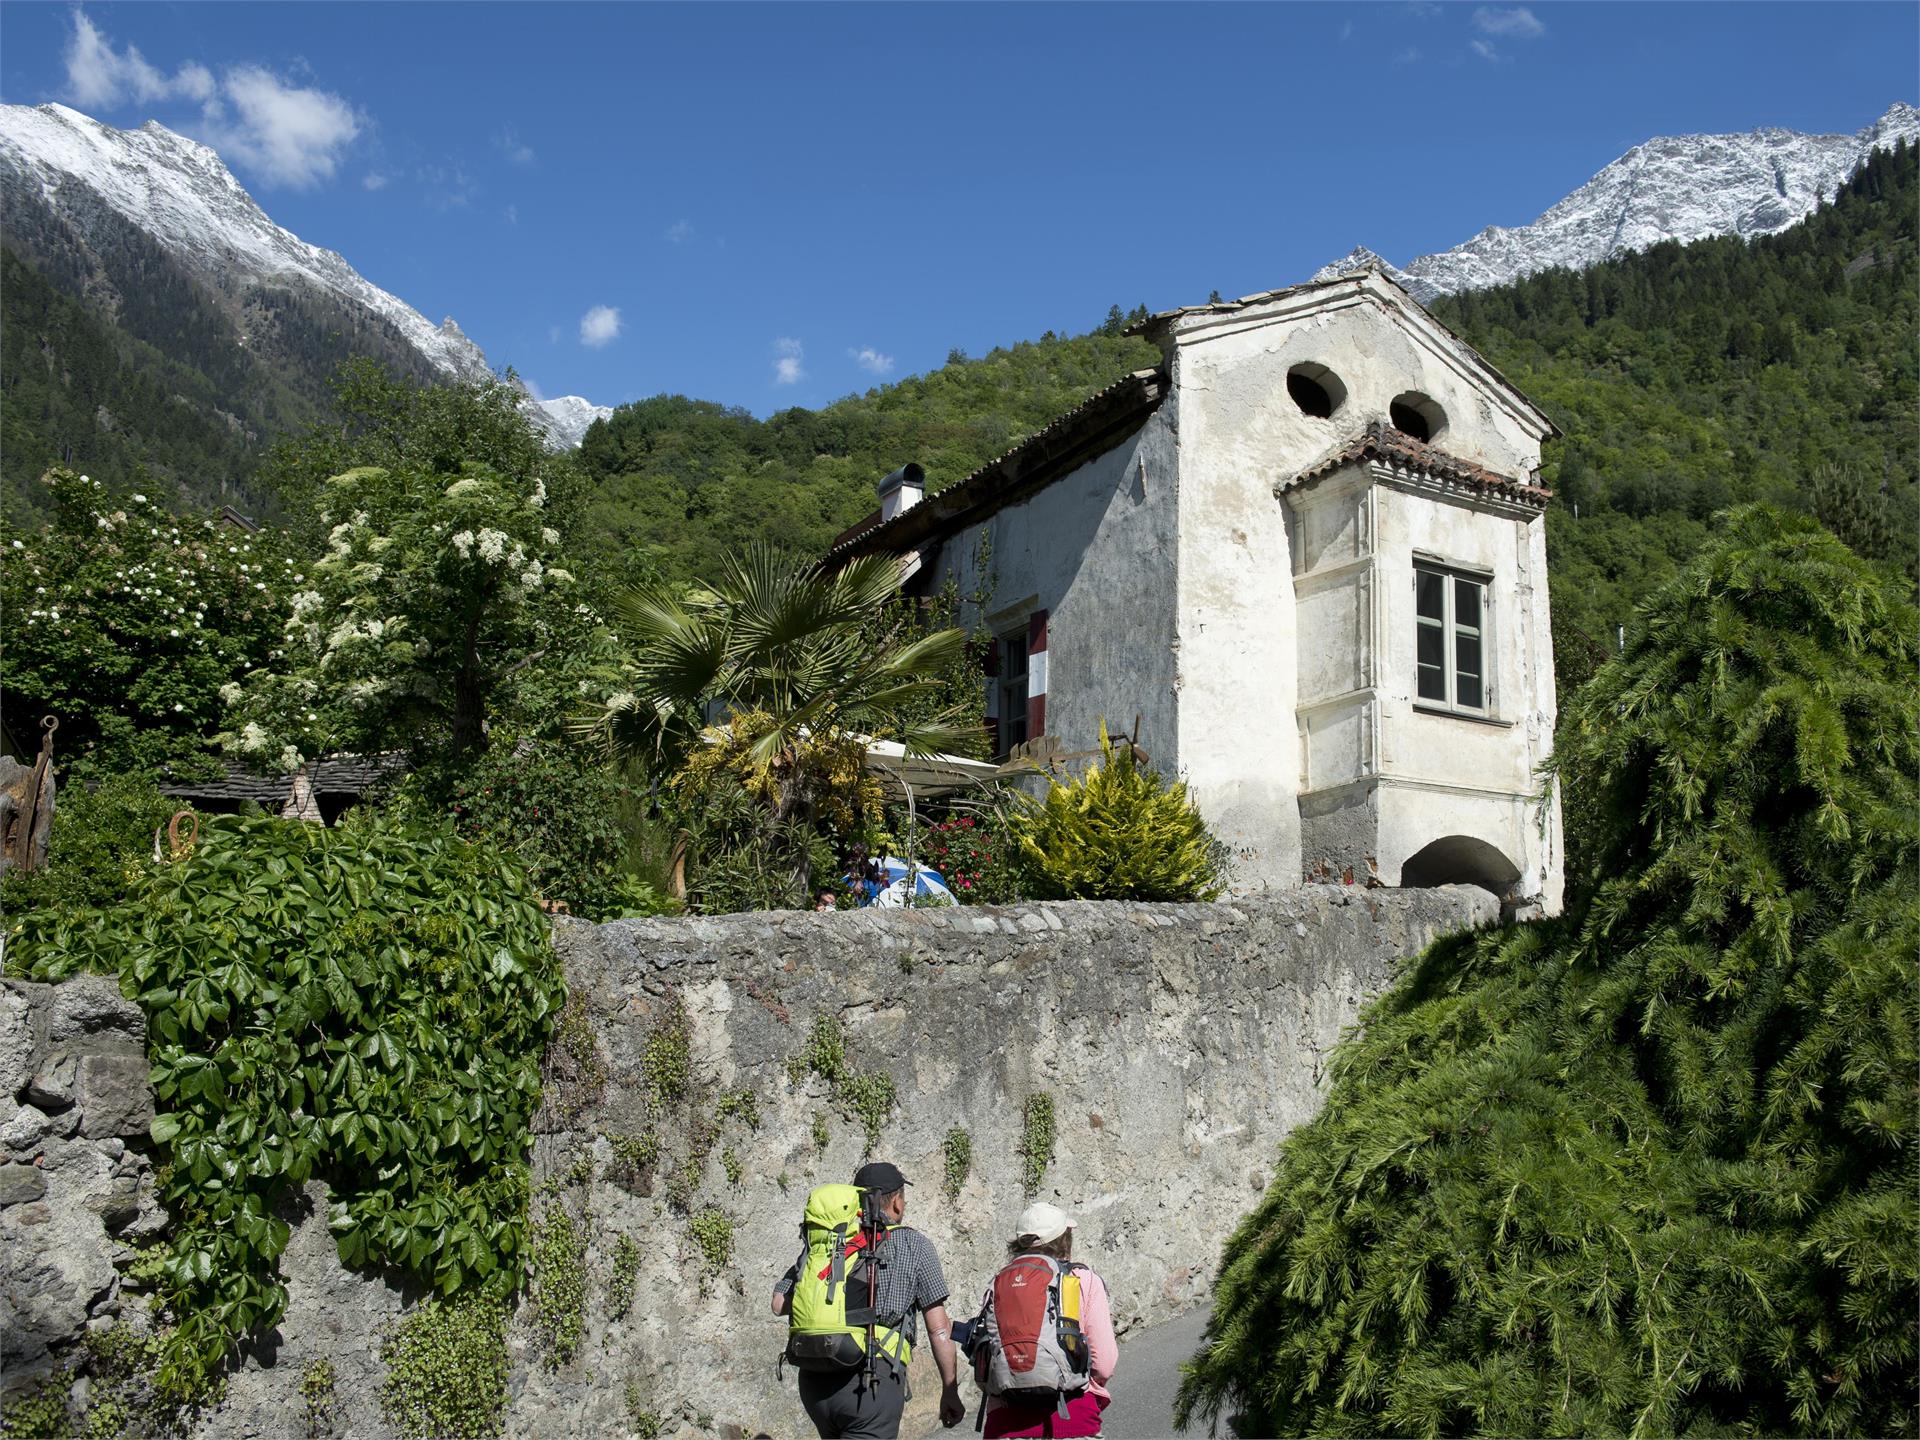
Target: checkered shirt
910	1279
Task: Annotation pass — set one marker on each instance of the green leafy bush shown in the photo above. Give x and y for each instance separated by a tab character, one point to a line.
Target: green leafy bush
1117	832
366	1004
556	807
101	847
1649	1168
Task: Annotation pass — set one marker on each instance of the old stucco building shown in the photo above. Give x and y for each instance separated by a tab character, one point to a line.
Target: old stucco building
1307	552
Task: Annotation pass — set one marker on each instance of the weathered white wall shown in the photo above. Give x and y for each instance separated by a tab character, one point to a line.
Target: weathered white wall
1381	776
1094	549
1246	662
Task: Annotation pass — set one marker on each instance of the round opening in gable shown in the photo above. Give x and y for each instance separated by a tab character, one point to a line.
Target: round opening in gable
1417	415
1316	390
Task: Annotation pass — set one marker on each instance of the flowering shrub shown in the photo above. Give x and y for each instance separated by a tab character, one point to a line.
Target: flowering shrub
972	855
435	606
125	621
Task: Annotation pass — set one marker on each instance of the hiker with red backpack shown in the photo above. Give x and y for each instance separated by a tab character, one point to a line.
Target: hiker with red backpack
1043	1346
851	1300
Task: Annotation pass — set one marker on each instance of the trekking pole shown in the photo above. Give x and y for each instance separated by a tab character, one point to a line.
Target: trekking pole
873	1285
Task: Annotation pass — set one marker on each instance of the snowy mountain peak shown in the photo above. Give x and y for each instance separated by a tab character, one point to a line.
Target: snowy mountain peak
181	194
1673	187
567	419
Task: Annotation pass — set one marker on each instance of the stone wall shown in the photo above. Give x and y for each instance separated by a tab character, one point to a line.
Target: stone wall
1176	1045
76	1186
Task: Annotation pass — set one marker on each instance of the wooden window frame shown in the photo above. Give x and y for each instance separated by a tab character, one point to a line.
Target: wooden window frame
1452	631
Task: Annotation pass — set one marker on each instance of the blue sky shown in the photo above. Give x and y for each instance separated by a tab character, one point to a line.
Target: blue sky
772	206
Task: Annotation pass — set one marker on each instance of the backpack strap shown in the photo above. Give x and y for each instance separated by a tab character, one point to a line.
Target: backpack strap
837	1271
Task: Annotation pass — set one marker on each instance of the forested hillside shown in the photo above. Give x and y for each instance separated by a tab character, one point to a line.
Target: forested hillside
77	390
122	363
1689	377
681	482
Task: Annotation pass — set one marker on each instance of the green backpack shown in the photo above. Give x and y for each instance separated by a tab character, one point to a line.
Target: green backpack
831	1324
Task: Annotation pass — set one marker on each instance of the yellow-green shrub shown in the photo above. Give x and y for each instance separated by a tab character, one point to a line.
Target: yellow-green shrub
1118	832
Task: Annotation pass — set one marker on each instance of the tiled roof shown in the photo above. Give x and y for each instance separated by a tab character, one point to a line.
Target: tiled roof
1091	428
1382	442
336	775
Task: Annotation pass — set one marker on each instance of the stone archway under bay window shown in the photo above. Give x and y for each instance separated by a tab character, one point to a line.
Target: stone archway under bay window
1464	860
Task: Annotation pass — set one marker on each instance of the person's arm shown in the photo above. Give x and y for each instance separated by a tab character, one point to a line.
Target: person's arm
930	1294
940	1335
1103	1349
783	1288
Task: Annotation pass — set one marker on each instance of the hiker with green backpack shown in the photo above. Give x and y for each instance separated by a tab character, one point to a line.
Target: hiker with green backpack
851	1302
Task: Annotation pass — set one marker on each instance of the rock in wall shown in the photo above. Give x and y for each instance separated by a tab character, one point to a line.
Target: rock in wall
689	1109
76	1186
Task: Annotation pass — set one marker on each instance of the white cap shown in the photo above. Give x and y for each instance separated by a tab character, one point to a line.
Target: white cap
1043	1222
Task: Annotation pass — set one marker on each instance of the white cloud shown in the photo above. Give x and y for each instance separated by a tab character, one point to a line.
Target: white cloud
1519	23
787	356
516	150
446	187
553	334
600	326
375	180
1484	50
1346	31
195	81
287	134
102	78
513	214
681	231
872	361
1407	56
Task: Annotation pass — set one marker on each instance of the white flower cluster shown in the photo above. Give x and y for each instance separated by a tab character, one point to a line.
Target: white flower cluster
462	487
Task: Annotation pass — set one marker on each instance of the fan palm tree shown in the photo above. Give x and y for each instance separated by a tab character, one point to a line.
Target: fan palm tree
791	642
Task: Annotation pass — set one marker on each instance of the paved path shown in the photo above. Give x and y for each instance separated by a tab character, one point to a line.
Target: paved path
1147	1376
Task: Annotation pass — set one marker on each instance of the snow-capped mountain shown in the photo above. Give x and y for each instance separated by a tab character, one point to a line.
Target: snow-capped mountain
1678	187
567	418
181	195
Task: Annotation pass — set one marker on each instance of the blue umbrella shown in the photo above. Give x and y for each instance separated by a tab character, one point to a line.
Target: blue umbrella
894	879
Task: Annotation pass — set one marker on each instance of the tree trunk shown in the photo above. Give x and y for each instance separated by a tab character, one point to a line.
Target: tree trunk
469	702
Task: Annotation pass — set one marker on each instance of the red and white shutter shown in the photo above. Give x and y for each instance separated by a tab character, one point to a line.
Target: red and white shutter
1036	674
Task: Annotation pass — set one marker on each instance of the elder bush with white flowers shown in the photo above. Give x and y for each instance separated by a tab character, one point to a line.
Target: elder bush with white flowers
125	621
437	611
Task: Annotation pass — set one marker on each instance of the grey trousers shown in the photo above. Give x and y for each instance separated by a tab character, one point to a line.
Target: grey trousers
849	1407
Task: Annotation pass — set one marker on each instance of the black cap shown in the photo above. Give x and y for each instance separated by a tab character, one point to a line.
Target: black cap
880	1177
